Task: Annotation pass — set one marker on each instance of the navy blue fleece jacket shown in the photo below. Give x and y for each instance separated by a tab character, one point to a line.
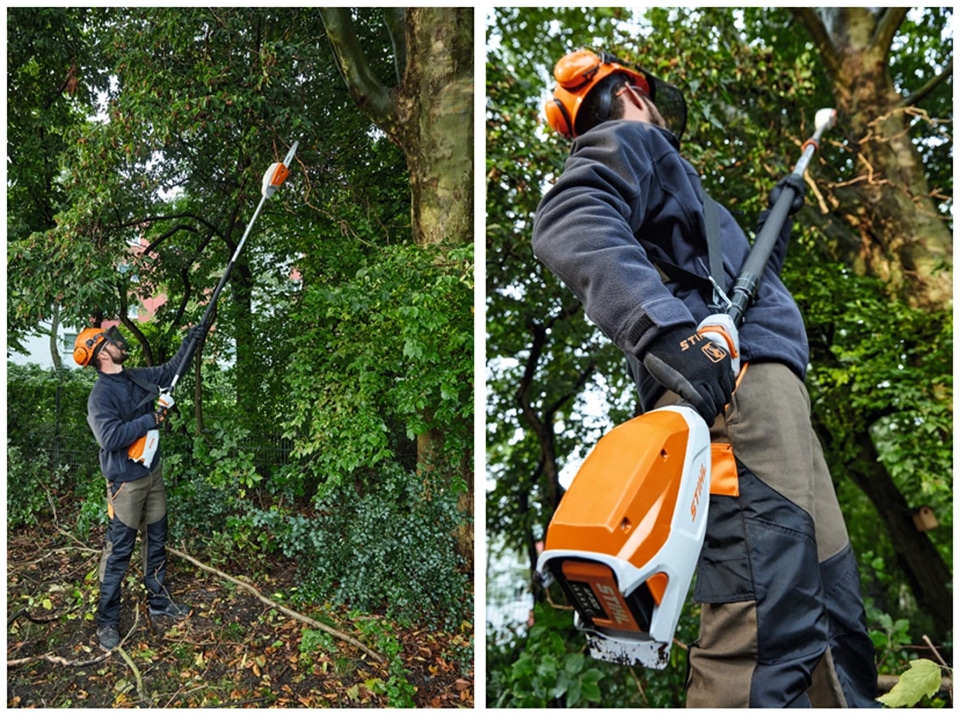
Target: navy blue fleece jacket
112	400
626	202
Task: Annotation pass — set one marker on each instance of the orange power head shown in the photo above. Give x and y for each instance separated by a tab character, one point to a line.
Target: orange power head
624	541
628	482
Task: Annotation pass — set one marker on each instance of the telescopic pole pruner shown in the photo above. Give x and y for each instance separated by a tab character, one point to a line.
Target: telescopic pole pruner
745	287
272	180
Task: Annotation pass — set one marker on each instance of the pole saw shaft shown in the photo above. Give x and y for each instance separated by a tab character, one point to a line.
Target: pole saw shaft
745	287
272	179
145	448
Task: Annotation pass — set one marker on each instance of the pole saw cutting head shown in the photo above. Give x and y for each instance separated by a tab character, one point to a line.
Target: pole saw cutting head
624	541
278	172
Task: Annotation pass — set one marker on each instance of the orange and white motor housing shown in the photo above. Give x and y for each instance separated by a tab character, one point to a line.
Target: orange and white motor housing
625	539
145	448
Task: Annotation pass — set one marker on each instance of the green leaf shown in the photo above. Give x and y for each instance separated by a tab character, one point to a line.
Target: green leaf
922	679
573	664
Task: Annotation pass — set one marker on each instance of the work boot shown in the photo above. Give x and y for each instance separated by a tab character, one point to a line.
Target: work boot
109	637
168	608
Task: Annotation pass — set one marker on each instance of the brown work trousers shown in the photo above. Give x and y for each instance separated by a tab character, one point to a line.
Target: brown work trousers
782	621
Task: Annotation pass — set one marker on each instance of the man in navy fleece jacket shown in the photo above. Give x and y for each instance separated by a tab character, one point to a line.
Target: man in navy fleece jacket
121	410
782	620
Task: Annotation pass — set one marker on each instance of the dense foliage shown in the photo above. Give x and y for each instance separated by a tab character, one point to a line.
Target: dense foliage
881	358
142	135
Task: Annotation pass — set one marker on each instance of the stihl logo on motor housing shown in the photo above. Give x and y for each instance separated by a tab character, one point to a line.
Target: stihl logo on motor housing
610	598
698	492
712	350
595	593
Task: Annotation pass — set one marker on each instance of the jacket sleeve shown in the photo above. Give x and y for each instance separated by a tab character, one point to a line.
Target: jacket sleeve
779	255
106	422
584	232
162	375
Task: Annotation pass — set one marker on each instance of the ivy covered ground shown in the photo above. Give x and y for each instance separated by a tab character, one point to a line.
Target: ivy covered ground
234	650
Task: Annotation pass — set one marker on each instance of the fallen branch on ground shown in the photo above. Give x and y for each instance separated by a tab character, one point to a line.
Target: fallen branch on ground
136	673
272	603
57	660
240	583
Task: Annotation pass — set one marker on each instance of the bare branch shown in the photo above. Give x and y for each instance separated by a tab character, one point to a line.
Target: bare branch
932	84
169	233
887	26
277	606
135	222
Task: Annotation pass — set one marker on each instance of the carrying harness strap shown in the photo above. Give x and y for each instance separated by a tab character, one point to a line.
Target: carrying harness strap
712	285
153	392
715	252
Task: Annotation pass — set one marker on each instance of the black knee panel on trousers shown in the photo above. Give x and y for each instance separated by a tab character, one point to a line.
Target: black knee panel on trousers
760	547
113	566
155	556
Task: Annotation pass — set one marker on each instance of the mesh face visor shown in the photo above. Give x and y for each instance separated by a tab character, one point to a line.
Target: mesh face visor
669	101
115	337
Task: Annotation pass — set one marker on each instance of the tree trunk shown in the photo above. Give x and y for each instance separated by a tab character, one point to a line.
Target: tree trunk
434	123
899	235
926	572
54	331
893	232
429	115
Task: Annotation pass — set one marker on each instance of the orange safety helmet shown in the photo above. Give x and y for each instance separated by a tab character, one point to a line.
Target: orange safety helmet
88	343
579	72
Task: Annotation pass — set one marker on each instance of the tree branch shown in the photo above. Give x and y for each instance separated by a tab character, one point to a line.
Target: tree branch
818	33
135	222
393	18
917	97
578	384
887	26
369	93
130	326
271	603
168	234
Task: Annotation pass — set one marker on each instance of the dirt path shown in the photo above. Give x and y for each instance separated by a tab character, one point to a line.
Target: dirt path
233	651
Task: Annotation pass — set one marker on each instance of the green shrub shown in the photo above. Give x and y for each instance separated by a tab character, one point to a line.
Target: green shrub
47	422
93	505
547	666
26	497
389	547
